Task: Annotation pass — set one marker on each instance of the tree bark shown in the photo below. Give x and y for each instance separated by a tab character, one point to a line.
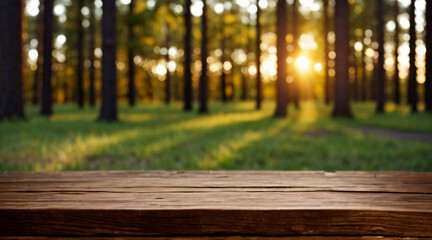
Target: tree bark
203	86
396	40
109	89
80	49
47	58
244	82
296	35
281	84
428	83
364	83
341	105
168	74
92	97
326	53
187	57
223	74
258	58
412	81
131	55
39	62
11	84
381	72
244	87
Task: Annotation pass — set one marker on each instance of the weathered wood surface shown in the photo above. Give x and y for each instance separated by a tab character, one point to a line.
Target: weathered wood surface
162	203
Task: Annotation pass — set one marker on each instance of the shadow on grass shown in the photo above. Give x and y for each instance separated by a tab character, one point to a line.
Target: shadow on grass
232	136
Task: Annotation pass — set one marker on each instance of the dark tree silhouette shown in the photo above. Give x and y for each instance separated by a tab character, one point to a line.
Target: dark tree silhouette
396	40
223	74
11	84
380	67
364	83
281	84
109	80
39	62
244	80
187	57
341	100
92	91
131	55
168	74
326	52
203	86
47	58
80	49
295	85
428	83
258	57
412	81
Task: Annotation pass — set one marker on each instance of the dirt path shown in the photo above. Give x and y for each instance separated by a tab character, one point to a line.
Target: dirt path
395	134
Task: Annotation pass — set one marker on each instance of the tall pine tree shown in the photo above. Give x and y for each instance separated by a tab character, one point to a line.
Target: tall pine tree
48	20
412	81
187	95
281	84
342	47
11	82
380	70
108	110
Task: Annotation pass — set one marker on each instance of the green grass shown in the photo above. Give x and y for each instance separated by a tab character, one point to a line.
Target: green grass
232	136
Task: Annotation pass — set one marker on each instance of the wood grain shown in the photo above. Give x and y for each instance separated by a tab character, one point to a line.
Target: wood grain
226	203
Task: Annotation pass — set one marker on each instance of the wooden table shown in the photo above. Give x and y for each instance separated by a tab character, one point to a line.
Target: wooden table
216	205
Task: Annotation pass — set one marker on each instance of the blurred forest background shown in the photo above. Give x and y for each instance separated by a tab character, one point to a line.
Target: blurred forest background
267	76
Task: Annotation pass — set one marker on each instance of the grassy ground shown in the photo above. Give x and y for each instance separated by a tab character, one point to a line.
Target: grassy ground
233	136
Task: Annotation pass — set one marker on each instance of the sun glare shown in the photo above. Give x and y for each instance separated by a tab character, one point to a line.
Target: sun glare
302	63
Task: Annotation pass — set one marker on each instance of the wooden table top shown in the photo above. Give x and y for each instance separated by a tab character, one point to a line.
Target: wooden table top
219	203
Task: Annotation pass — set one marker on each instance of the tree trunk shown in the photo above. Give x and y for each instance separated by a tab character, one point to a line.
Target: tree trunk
168	74
244	87
396	40
11	84
258	58
296	35
188	57
80	64
109	92
381	72
364	83
131	55
341	105
357	77
203	86
412	81
428	83
92	96
223	74
149	92
373	82
244	82
39	62
281	84
231	82
326	53
47	58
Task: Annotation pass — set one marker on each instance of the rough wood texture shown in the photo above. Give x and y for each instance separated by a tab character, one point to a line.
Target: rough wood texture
159	203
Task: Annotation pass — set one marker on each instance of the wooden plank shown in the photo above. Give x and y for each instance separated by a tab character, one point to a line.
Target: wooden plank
160	203
61	222
288	181
421	203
